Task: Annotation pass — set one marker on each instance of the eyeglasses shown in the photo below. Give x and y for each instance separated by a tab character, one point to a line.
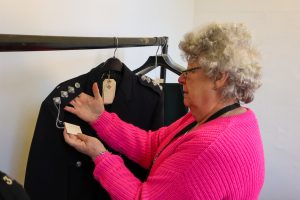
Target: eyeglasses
184	73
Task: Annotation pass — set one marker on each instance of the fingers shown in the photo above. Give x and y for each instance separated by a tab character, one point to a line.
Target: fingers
67	137
74	140
65	133
70	109
96	91
78	100
85	144
75	102
82	137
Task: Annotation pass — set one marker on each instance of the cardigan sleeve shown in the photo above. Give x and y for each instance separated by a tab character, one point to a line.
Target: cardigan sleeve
137	144
171	176
167	183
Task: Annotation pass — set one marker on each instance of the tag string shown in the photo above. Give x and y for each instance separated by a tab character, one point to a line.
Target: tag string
58	121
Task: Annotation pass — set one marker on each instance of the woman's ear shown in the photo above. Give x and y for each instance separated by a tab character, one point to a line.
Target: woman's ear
221	80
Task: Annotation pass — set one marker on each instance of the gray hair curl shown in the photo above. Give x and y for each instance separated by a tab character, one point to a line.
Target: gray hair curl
226	48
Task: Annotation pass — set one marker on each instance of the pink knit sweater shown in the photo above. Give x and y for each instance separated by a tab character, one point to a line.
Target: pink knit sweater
221	159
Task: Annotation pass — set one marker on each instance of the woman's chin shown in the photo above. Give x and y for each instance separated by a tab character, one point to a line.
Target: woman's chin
186	103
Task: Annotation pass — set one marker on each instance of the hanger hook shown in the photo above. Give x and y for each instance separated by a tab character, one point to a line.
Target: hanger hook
116	43
158	46
155	65
163	44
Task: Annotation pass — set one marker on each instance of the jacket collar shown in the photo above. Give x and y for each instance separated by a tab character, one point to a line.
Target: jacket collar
124	84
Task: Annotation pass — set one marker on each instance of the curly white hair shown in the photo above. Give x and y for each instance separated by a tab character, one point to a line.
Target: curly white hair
226	48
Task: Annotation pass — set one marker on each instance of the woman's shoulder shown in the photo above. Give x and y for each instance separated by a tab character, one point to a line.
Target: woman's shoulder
242	115
212	131
247	118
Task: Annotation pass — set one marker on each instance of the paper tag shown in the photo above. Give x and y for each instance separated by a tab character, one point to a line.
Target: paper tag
72	128
108	91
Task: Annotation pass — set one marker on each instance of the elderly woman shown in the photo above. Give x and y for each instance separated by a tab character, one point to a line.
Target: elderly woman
213	152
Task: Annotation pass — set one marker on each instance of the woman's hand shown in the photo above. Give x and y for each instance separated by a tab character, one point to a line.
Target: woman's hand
88	145
86	107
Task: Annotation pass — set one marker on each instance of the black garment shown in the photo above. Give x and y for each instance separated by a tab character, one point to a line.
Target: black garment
173	103
11	189
56	171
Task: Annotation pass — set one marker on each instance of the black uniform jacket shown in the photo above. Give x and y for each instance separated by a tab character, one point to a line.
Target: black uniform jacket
173	103
56	171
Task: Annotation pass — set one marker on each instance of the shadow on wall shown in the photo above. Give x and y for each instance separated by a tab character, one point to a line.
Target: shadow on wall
23	144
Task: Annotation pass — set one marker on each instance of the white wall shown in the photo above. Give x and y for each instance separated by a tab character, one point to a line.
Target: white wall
26	78
276	28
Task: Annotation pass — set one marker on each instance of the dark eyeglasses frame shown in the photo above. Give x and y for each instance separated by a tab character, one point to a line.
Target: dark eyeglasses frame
184	73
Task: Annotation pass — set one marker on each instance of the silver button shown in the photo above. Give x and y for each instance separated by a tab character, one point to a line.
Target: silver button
78	164
77	85
57	100
64	94
154	83
71	89
148	79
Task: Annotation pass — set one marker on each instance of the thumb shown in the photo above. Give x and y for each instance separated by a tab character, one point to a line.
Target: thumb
96	91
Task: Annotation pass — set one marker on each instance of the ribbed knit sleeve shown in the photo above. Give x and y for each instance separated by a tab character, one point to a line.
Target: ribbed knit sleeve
120	183
137	144
221	159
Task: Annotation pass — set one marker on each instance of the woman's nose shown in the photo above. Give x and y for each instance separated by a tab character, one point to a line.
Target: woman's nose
181	79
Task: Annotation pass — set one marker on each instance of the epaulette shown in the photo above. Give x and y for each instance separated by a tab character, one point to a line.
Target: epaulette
65	93
148	82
